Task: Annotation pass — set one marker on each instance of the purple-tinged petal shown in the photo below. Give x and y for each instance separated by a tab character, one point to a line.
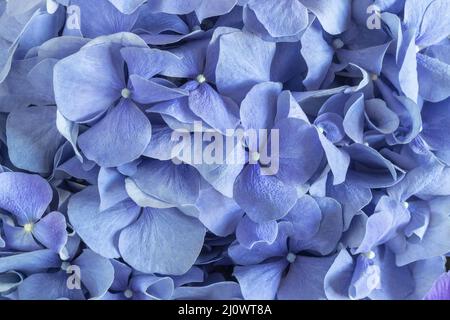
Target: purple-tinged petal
338	277
440	289
111	187
354	118
188	60
305	278
24	195
300	151
305	217
434	78
152	91
365	278
48	286
318	55
330	231
371	59
333	16
143	199
146	62
248	233
174	6
208	9
217	212
110	21
162	241
338	159
207	104
243	61
127	6
263	197
168	182
34	261
100	230
287	107
429	18
260	282
149	287
33	138
17	238
293	16
122	274
407	75
435	241
120	137
435	118
380	117
51	231
353	198
258	109
262	251
97	273
389	216
374	171
94	75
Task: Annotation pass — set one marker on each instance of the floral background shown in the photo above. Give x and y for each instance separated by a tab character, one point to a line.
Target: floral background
93	204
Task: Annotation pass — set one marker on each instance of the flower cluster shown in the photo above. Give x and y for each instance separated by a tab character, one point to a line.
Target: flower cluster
108	108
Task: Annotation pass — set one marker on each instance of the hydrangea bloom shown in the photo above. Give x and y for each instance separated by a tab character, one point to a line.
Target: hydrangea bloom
224	149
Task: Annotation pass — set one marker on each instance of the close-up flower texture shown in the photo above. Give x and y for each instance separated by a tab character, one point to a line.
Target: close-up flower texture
224	149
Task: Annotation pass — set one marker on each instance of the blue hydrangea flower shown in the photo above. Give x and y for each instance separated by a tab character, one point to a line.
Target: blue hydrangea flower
112	97
304	245
25	199
98	202
151	240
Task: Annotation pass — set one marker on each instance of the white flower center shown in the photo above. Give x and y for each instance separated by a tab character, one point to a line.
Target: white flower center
128	293
28	227
370	255
291	257
405	205
200	78
126	93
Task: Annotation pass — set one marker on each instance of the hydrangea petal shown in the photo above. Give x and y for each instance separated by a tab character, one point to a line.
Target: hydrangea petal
100	230
260	282
51	231
110	21
304	280
120	137
162	241
55	285
295	16
97	273
263	197
243	61
248	232
333	16
25	196
168	182
94	75
33	138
